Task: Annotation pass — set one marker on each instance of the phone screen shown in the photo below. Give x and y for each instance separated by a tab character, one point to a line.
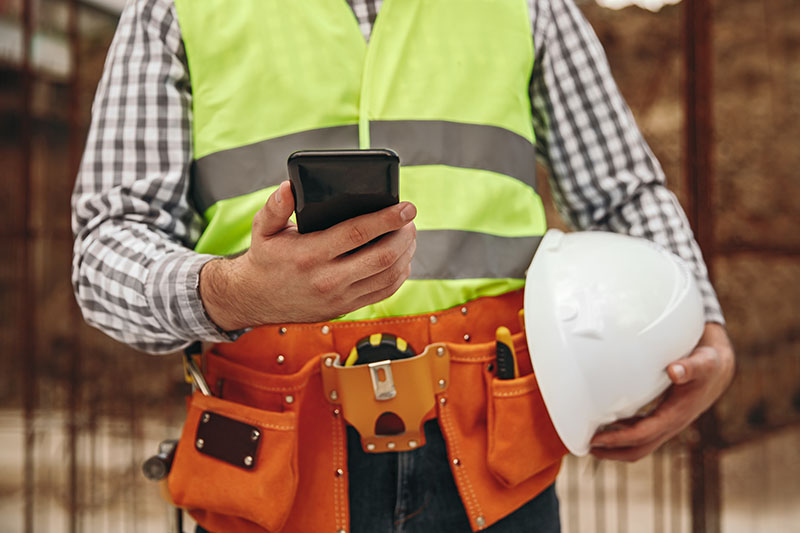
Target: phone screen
334	185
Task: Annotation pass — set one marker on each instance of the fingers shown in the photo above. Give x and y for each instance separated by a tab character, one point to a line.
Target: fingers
701	364
358	231
275	213
382	254
645	430
626	454
387	277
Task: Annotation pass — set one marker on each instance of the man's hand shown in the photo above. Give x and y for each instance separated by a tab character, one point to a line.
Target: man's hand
286	277
698	380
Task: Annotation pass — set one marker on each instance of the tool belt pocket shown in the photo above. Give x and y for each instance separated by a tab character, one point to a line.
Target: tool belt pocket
522	439
236	460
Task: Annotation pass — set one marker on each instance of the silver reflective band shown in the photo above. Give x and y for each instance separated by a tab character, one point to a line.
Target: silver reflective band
452	254
438	142
246	169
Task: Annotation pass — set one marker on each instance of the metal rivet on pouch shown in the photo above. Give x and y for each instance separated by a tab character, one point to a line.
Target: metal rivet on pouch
467	338
329	362
463	310
289	398
442	383
248	461
440	351
281	359
326	329
442	401
434	320
255	434
370	446
390	445
334	395
480	521
200	443
339	472
412	444
336	412
282	331
206	417
341	531
457	461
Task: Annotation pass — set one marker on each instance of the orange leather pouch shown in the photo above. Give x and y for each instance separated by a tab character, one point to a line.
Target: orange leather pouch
236	460
521	438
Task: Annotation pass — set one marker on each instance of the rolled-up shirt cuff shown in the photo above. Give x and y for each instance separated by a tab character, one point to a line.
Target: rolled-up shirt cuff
711	306
172	294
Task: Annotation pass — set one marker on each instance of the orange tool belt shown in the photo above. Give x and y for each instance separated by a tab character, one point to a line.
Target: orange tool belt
268	451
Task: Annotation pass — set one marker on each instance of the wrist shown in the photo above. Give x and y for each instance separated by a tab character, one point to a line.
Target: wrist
220	288
716	336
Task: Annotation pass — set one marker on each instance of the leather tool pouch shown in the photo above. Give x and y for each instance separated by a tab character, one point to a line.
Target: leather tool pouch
521	439
397	394
236	460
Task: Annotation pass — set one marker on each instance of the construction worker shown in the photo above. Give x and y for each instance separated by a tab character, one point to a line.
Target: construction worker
197	110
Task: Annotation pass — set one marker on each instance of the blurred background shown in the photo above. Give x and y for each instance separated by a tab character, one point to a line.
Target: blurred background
714	86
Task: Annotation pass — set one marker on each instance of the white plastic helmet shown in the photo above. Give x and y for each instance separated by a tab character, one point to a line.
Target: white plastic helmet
604	316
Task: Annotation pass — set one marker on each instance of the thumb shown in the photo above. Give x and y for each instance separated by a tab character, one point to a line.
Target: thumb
275	213
702	362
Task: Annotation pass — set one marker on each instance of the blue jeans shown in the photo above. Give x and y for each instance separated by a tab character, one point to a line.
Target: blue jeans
414	492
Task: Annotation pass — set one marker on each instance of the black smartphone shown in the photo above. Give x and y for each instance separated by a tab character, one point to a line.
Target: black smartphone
331	186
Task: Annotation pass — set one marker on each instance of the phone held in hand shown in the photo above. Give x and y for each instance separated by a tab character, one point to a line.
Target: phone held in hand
331	186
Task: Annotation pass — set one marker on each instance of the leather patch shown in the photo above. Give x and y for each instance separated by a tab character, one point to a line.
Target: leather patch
228	440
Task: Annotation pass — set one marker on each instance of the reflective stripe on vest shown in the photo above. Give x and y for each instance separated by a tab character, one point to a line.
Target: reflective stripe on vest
444	83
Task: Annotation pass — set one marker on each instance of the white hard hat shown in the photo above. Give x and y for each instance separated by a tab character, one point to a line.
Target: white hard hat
604	316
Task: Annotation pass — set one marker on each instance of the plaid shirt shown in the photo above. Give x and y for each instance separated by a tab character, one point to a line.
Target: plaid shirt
134	272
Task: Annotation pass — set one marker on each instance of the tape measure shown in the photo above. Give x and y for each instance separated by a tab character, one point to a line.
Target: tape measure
379	347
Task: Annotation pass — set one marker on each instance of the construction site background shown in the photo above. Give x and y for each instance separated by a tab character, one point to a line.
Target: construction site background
80	412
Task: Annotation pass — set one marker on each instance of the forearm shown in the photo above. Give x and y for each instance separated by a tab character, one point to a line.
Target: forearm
134	273
139	290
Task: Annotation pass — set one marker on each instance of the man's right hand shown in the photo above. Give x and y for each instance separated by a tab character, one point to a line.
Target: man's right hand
286	277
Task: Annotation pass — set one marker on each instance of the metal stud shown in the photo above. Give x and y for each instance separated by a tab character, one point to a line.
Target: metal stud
442	400
412	444
457	461
206	417
334	395
289	398
282	331
326	329
370	446
341	531
480	521
200	443
442	383
440	351
329	362
434	320
467	338
337	411
339	472
464	311
255	434
281	359
248	461
390	445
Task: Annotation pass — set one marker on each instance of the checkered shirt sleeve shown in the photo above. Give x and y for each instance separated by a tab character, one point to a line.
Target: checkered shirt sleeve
134	273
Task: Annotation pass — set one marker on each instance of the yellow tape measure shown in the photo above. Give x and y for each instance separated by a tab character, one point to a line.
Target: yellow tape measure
379	347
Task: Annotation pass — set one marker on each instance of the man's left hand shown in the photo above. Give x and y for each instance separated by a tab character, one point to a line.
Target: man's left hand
698	380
